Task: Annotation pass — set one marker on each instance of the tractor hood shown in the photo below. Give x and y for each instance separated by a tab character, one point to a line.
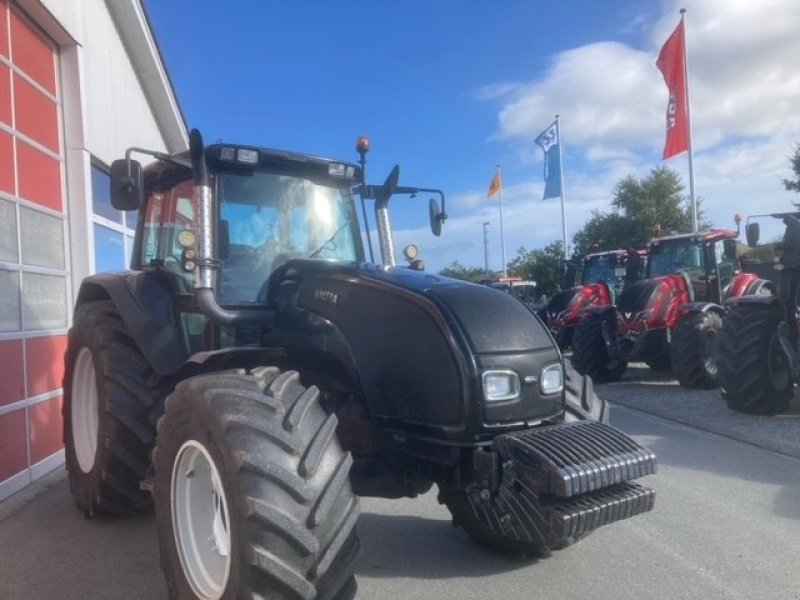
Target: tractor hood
652	302
419	344
492	320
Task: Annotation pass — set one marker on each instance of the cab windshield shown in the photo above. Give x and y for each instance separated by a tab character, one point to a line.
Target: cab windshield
602	268
270	218
676	255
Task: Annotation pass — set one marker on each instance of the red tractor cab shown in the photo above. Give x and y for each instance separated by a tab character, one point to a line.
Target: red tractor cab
670	319
603	275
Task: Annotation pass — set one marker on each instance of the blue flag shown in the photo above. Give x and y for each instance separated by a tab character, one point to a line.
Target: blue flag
549	141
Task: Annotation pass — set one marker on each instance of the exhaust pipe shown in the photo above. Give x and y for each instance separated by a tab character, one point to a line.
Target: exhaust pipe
207	265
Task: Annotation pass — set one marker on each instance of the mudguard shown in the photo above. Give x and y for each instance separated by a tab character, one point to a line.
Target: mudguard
145	302
752	299
599	309
746	284
696	308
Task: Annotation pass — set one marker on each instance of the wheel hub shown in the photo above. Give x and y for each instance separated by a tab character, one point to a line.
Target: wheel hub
201	521
778	364
84	409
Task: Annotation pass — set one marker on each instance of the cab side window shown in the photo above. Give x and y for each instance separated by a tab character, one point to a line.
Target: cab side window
169	213
726	265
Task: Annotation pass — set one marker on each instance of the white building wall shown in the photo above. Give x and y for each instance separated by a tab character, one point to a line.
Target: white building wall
118	114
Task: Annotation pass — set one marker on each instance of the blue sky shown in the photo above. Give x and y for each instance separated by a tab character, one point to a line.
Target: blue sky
448	89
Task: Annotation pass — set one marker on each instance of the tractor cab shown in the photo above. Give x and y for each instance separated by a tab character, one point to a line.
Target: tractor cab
603	276
706	261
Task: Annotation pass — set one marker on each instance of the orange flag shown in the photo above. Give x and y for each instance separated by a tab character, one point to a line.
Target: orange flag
496	185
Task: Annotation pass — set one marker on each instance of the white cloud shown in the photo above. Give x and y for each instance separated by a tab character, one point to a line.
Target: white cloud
744	61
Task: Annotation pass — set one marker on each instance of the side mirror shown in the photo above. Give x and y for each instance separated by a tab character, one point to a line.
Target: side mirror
729	248
127	185
752	232
436	217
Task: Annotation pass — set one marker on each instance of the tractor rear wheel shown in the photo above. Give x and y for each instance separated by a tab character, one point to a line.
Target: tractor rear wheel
694	350
252	492
754	372
590	353
112	399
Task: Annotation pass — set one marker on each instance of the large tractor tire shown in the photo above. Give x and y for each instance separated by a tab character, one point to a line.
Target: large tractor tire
464	516
754	372
581	401
660	364
694	350
252	492
112	400
590	354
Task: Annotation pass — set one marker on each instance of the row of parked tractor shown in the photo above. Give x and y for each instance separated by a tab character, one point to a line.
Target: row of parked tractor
693	304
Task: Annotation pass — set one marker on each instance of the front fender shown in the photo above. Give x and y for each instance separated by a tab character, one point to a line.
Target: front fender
752	300
600	309
696	308
146	303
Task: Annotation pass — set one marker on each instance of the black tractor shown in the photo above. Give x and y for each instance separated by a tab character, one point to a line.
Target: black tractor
252	374
758	345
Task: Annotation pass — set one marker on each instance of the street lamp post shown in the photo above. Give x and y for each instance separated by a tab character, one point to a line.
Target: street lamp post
486	248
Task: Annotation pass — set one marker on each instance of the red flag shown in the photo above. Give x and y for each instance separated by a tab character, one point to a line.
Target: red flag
496	185
672	64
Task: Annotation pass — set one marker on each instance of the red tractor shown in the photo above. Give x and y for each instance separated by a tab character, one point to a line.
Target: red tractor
758	345
603	276
670	319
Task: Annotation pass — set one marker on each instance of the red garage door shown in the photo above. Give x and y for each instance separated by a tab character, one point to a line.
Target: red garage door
33	242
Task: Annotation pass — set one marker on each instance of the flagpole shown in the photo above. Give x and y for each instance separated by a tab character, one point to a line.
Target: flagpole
689	126
502	232
561	178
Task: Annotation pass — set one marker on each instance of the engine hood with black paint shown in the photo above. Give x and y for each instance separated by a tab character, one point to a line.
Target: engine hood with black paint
418	360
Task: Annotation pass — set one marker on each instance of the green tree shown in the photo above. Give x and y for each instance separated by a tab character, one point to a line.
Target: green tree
793	185
640	210
542	265
458	271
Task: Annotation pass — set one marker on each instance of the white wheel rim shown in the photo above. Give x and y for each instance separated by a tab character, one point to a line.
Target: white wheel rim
201	521
83	410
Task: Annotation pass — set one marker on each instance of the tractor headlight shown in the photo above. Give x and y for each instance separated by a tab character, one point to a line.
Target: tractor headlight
551	380
500	385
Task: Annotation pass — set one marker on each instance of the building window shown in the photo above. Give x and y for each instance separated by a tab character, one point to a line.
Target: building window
113	229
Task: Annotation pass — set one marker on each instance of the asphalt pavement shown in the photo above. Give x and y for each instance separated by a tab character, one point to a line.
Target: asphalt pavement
705	409
48	550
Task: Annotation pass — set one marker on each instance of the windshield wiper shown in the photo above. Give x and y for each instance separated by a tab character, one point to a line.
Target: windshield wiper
329	240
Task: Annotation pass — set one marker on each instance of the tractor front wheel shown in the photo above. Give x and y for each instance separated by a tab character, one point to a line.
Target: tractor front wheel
754	372
694	350
252	492
581	401
590	351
